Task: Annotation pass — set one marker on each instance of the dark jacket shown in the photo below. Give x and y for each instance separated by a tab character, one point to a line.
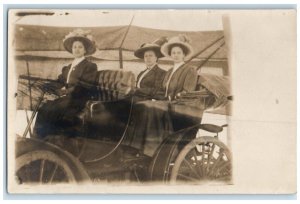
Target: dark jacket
151	82
60	115
184	79
82	79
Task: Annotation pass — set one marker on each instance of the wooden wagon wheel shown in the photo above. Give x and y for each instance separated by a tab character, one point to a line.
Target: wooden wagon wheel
159	168
203	159
164	157
44	163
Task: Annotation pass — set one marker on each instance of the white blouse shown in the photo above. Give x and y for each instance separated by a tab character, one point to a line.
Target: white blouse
75	62
176	66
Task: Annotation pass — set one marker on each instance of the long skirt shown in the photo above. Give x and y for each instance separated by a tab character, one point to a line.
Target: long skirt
150	124
59	117
153	121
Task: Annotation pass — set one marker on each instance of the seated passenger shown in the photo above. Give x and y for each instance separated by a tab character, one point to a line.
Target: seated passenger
155	119
75	86
150	80
181	77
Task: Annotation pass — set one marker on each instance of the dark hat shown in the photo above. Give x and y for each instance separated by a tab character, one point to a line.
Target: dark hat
155	46
82	36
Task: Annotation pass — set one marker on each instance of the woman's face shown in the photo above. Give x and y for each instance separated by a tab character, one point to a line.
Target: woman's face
177	54
78	49
150	58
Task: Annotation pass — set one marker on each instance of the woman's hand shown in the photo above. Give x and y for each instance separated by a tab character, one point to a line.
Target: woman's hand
69	90
62	92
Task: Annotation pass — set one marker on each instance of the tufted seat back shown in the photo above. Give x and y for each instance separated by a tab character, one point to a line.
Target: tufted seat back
114	84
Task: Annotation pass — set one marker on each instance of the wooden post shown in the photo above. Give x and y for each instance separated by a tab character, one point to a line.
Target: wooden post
121	58
123	40
29	84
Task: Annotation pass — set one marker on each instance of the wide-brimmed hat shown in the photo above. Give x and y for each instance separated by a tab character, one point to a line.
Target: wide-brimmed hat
180	40
155	46
82	36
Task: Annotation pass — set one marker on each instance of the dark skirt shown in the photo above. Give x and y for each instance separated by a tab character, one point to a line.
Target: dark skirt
59	117
153	121
150	125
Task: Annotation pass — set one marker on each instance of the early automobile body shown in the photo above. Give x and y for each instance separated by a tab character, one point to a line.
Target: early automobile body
98	152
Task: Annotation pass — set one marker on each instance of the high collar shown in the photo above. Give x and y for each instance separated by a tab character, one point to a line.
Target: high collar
177	65
151	66
76	61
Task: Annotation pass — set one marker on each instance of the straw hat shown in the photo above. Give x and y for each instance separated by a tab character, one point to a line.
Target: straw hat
155	46
82	36
180	40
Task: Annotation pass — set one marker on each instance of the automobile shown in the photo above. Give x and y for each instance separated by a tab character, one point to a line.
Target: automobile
98	153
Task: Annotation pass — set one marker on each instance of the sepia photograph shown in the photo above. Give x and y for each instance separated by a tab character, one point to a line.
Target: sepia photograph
135	99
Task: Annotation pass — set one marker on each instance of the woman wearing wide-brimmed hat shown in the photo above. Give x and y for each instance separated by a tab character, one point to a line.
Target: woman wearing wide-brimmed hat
150	80
75	86
148	83
181	77
156	119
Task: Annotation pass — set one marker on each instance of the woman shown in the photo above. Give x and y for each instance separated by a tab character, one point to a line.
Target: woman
181	78
75	86
148	84
157	119
150	80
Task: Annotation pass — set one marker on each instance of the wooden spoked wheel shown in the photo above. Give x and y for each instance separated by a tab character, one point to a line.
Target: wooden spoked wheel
43	167
203	159
43	163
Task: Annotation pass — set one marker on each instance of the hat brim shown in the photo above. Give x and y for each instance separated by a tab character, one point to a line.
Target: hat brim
166	47
140	52
88	44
